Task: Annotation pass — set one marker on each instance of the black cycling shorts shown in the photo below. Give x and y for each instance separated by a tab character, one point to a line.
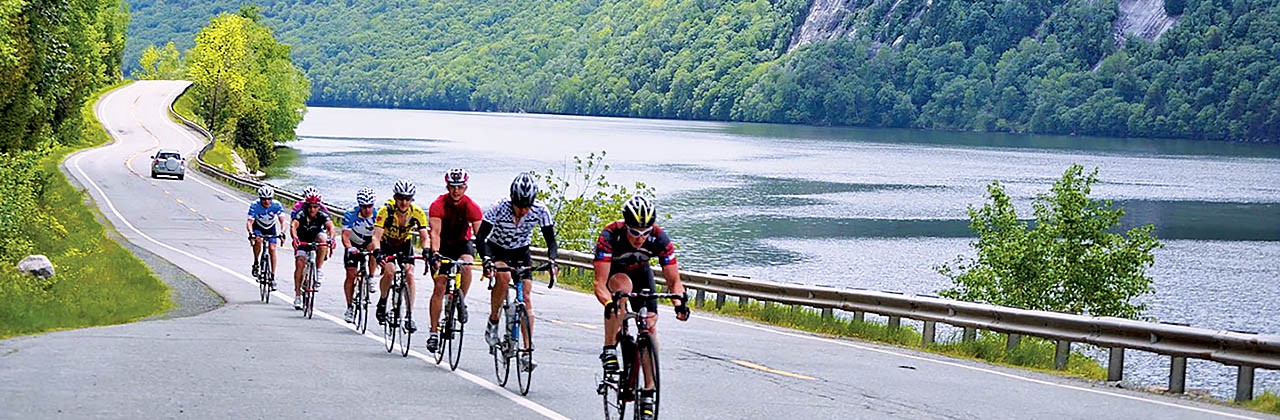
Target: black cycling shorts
519	257
455	251
352	261
403	248
641	278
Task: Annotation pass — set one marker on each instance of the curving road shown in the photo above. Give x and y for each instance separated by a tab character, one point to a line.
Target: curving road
253	360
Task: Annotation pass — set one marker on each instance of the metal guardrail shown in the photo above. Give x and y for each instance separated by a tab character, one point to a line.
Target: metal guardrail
1247	351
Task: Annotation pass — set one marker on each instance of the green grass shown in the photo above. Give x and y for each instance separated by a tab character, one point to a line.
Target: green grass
185	106
97	281
1031	353
1268	402
220	155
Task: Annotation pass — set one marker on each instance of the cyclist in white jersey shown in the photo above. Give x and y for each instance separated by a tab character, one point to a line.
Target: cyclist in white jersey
266	217
357	235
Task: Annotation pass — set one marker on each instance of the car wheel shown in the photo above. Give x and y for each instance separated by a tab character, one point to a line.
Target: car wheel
153	175
180	177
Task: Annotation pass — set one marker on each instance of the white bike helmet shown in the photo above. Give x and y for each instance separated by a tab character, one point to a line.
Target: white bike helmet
365	197
265	192
310	191
405	187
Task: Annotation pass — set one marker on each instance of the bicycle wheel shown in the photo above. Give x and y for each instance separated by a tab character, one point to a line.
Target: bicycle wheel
524	373
646	351
389	328
360	305
501	363
446	317
264	277
615	398
405	335
455	331
308	291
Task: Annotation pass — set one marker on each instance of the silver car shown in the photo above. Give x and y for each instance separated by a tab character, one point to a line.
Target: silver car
168	162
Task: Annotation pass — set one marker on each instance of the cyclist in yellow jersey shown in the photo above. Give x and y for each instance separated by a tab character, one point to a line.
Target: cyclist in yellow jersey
391	235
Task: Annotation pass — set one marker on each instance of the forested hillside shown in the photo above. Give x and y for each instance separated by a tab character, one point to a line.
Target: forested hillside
1049	66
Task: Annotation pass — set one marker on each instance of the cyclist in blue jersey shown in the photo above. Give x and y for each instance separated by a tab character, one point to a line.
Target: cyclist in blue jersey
623	252
266	218
357	235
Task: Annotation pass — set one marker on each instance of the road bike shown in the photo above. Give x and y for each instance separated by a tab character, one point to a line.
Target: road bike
360	292
637	347
265	273
393	329
517	326
451	326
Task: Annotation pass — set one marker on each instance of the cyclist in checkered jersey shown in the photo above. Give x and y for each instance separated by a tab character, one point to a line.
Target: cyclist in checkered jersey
505	236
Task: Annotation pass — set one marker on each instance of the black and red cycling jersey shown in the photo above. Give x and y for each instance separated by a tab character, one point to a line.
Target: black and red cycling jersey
614	248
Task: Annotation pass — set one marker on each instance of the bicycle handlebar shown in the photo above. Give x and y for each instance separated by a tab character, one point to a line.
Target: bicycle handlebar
647	295
520	270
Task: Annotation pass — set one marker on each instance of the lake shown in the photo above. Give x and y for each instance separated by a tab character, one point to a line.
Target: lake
848	207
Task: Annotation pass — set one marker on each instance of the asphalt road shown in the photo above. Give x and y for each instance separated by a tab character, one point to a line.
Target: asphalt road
253	360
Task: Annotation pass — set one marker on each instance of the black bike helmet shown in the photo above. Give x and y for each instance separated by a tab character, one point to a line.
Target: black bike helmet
638	212
524	189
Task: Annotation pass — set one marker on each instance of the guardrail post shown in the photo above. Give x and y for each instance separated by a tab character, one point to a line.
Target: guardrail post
1115	364
827	313
1012	342
895	322
700	297
1061	354
742	301
1178	375
720	300
970	334
859	316
1244	384
926	337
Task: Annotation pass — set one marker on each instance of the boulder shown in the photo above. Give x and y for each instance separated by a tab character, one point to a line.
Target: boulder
37	265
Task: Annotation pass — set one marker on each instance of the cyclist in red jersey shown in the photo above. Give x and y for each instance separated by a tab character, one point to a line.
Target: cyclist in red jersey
622	256
454	219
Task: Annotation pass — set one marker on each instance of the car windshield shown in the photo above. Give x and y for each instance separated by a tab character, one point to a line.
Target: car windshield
168	155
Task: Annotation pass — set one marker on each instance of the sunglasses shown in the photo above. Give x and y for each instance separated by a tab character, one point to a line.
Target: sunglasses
637	232
365	206
403	198
457	186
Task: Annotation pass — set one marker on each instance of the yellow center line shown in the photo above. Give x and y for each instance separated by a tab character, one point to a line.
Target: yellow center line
772	370
587	326
193	210
556	321
179	201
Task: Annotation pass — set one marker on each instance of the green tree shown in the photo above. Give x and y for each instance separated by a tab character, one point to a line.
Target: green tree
160	64
1069	261
219	69
583	200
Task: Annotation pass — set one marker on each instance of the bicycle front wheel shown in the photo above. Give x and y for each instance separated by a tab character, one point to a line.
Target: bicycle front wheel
264	277
614	403
392	322
501	363
360	306
646	352
405	335
454	331
309	292
524	356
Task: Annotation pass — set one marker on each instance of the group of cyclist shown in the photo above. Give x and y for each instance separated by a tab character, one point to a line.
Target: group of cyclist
455	228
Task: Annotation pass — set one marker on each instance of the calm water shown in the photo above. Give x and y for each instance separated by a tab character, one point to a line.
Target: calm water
876	209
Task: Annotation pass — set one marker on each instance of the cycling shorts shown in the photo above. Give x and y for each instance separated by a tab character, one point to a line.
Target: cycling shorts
268	234
352	261
519	257
455	251
641	278
404	248
302	249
